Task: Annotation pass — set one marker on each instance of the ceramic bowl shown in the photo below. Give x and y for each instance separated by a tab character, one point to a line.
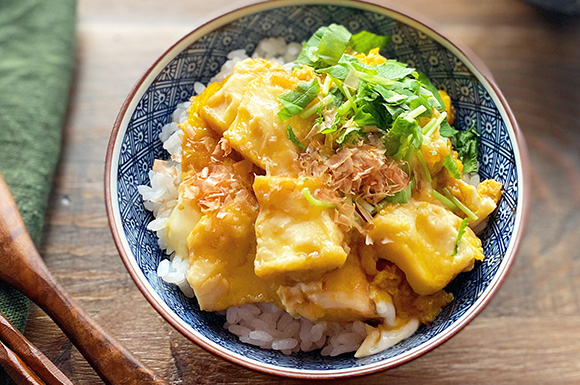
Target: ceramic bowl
198	56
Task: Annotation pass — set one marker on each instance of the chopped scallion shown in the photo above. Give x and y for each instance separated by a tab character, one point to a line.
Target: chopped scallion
460	205
451	166
326	85
441	198
344	108
348	95
293	138
430	127
460	233
316	202
321	103
424	167
416	112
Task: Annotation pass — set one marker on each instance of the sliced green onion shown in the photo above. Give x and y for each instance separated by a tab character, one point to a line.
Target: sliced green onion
424	167
309	111
316	202
416	112
326	85
344	108
460	205
346	93
293	138
375	79
460	233
441	198
430	127
451	166
321	103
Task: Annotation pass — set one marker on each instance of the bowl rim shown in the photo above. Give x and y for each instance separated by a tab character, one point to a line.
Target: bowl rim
395	11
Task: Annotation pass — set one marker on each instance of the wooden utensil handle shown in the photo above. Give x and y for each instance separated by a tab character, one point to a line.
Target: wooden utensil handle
22	267
16	368
30	355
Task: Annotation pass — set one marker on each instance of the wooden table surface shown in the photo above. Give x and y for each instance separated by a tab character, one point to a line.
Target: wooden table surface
529	333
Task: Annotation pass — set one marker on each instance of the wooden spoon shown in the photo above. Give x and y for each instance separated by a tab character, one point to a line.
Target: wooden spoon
22	267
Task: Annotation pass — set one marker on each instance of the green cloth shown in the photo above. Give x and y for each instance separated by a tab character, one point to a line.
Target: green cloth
36	65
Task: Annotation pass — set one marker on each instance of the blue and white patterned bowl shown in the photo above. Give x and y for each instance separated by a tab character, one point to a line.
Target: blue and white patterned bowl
198	56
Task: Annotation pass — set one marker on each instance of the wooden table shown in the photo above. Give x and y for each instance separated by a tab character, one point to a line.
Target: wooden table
529	333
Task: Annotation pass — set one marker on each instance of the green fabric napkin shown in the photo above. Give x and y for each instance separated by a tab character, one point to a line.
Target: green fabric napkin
36	64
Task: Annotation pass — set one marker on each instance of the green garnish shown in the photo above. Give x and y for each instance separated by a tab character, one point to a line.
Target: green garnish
426	82
430	127
460	205
424	167
316	202
295	101
389	96
386	100
346	134
328	99
441	198
416	112
402	196
405	137
344	108
325	47
466	144
320	118
451	166
326	85
364	41
293	138
446	130
394	70
333	127
460	233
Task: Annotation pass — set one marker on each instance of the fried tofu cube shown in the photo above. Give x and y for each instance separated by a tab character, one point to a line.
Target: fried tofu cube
420	238
222	247
258	133
341	294
221	107
294	236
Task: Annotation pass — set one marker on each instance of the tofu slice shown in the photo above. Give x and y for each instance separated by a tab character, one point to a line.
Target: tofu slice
419	237
258	133
222	247
295	238
341	294
221	107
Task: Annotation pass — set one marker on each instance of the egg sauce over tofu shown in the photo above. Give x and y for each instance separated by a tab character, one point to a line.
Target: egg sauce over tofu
258	223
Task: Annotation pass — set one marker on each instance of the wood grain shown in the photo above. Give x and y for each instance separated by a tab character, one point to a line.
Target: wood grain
528	333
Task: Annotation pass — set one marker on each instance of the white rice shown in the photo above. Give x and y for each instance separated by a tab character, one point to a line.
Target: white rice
261	324
269	327
161	198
